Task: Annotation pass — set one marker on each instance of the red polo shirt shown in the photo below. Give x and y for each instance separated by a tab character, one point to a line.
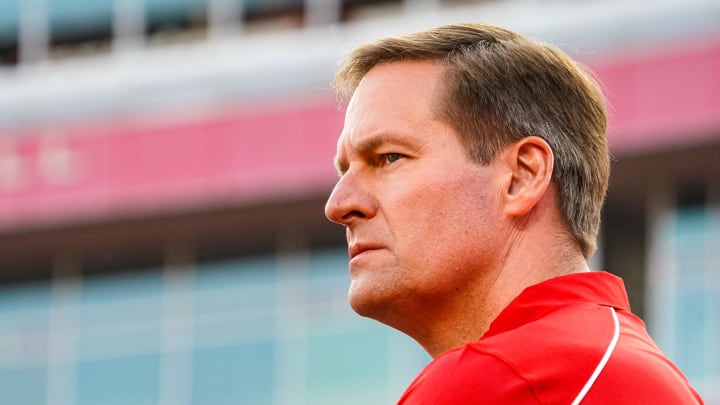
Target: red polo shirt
568	340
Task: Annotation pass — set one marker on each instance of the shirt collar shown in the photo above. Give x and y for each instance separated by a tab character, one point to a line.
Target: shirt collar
534	302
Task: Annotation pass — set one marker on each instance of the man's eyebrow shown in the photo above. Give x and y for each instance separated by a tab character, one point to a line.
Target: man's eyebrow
367	145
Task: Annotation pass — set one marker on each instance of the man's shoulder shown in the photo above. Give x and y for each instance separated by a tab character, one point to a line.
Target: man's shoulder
551	360
467	375
535	363
521	365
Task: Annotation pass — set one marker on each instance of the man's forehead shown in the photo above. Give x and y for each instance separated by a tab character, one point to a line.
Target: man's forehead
389	102
351	128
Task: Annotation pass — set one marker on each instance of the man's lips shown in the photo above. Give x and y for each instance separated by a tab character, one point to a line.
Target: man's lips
359	248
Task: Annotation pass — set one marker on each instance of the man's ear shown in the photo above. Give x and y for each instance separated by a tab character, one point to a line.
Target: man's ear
530	165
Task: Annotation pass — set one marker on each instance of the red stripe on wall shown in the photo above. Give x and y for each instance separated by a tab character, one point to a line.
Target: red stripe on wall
663	98
86	172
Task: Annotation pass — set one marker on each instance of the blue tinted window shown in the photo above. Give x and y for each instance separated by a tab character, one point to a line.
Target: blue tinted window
120	313
122	298
9	17
126	380
250	283
240	374
25	297
24	325
23	386
686	294
77	15
235	301
348	368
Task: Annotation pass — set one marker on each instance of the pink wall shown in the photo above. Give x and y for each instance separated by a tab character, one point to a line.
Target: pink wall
663	97
91	171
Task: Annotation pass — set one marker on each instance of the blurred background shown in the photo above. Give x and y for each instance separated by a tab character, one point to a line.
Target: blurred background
164	165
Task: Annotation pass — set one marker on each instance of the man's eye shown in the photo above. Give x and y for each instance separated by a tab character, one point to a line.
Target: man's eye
391	157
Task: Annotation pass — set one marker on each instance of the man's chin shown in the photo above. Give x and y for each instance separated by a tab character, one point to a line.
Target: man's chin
357	301
366	302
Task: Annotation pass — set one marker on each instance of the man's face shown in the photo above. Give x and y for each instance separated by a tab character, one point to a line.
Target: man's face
422	219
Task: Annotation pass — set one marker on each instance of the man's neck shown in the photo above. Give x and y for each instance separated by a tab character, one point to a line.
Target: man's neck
471	314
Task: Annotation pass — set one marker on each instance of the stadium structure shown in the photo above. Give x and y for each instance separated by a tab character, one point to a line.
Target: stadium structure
164	166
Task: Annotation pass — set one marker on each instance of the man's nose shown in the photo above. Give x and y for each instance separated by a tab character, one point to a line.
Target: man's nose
350	201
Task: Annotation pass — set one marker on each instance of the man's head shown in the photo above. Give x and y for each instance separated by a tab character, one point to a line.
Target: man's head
472	164
499	87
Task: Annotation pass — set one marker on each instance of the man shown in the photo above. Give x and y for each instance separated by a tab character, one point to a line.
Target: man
473	166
